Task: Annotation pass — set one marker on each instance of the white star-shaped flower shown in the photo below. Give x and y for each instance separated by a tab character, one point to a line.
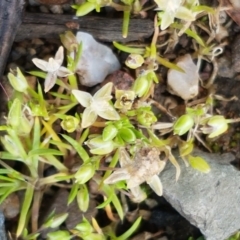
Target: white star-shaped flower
53	68
96	105
173	9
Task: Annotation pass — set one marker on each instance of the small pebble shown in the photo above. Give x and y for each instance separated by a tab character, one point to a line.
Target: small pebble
21	51
121	80
37	42
66	7
31	51
14	55
57	9
12	65
24	43
10	206
43	9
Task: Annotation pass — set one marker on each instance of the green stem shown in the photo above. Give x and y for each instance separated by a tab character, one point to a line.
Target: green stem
73	81
25	209
126	19
35	210
55	178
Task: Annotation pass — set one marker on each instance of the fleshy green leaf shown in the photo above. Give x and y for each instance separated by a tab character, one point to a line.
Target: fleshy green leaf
84	173
168	64
84	9
131	230
109	132
128	49
186	148
199	164
127	135
25	209
183	124
83	198
80	150
73	193
44	151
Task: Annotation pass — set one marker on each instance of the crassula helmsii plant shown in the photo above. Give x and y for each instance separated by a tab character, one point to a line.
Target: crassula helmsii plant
44	127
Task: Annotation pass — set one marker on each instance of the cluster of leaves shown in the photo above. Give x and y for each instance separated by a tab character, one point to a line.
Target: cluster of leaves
44	129
167	11
30	137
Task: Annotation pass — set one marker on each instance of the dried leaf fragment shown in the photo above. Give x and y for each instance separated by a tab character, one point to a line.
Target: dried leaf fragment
144	167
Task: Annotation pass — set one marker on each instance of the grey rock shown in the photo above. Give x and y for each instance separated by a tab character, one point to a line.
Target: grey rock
3	235
208	201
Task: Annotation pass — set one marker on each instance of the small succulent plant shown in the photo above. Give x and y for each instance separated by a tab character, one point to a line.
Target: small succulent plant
115	137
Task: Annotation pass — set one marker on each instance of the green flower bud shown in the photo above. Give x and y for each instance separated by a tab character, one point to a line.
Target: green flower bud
124	99
69	41
141	86
118	124
183	124
127	135
109	132
18	81
84	227
100	147
70	123
38	110
215	126
151	76
20	120
84	173
14	114
13	141
146	117
10	146
186	148
83	198
56	221
85	8
56	235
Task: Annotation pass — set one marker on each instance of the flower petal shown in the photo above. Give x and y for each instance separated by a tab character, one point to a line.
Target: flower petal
84	98
156	185
185	14
162	4
63	72
59	56
104	93
40	63
53	65
118	175
104	149
138	194
108	112
167	19
88	118
124	157
50	81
